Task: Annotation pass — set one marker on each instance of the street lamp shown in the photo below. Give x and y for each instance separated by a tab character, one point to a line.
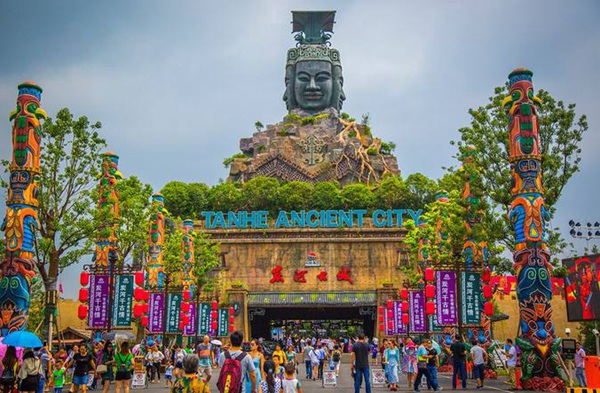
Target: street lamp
587	231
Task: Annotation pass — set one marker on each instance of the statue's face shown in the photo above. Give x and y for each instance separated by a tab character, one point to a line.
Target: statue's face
313	85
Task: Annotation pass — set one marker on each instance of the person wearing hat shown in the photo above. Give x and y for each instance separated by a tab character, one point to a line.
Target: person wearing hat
409	362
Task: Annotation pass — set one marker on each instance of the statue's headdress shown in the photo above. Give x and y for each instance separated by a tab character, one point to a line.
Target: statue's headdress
313	28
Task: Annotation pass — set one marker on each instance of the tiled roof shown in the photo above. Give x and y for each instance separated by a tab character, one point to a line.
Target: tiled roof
263	299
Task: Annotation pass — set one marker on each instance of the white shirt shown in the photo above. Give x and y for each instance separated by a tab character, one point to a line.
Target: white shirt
512	357
477	353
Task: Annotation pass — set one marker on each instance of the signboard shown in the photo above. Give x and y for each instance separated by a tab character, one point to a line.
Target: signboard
400	327
155	312
445	296
377	377
123	301
582	289
416	305
98	300
204	319
139	380
471	298
568	348
223	325
173	311
329	379
190	328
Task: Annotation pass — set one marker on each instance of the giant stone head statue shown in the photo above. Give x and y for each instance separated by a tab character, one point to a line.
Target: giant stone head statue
313	76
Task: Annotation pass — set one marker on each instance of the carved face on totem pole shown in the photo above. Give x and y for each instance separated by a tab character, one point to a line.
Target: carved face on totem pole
313	77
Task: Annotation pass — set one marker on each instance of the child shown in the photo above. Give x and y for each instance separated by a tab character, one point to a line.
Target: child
289	383
59	376
278	371
169	374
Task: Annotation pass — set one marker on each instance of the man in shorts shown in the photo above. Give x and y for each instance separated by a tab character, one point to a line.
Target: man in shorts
206	358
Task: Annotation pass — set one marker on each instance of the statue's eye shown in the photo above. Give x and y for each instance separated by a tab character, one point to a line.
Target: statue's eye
32	108
516	95
4	283
322	78
303	78
532	325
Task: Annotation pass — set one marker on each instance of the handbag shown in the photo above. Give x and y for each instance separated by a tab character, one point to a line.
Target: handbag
101	369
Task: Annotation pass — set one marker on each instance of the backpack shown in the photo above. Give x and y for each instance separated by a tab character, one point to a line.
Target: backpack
336	356
230	377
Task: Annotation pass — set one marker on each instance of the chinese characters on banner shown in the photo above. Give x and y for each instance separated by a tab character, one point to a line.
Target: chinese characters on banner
98	300
471	298
123	301
446	312
223	329
190	328
397	327
416	303
173	310
204	319
155	311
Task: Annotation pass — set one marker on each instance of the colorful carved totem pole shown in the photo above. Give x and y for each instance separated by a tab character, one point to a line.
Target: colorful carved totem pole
21	221
475	253
542	366
188	259
156	241
108	199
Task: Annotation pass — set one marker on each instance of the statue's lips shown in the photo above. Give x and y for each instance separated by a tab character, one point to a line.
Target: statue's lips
312	96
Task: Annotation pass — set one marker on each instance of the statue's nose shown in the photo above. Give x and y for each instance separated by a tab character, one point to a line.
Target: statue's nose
312	84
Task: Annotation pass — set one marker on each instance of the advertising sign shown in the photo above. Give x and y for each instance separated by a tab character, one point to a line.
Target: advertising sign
223	324
471	298
581	288
123	301
190	328
416	304
155	312
98	300
173	311
445	297
204	319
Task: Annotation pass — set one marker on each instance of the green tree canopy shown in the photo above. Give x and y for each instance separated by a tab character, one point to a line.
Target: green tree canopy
134	209
357	196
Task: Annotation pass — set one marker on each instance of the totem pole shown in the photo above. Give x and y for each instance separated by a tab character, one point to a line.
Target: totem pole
475	253
108	199
21	221
188	259
156	240
542	366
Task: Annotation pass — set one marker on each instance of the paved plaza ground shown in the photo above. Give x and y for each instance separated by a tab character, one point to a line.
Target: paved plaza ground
345	383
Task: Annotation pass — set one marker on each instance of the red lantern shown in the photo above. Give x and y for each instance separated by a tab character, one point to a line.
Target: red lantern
405	319
213	325
487	291
429	291
405	306
185	319
139	278
137	310
381	327
231	319
213	315
389	304
231	311
82	311
429	274
488	309
185	307
186	295
231	328
380	309
84	279
144	321
83	295
430	308
390	325
390	314
181	325
214	305
145	308
487	275
138	294
404	293
380	318
146	295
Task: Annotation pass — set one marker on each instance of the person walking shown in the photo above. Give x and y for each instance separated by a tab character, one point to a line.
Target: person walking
205	357
107	360
392	357
306	359
124	364
422	360
321	355
247	365
459	358
157	358
178	360
290	384
359	358
190	382
432	366
30	373
511	363
480	358
10	369
336	357
84	363
409	363
580	365
58	376
259	362
291	356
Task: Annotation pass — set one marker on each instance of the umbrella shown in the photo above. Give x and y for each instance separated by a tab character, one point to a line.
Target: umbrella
118	336
23	339
216	342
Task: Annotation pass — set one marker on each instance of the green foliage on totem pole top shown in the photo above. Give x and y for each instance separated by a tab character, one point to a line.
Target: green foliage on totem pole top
134	209
560	130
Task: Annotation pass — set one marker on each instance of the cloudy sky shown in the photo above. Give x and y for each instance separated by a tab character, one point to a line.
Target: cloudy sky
176	84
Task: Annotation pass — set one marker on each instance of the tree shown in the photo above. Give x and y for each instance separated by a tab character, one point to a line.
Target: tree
134	209
327	196
261	193
357	196
391	193
421	191
560	131
259	126
295	195
67	211
225	197
177	199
